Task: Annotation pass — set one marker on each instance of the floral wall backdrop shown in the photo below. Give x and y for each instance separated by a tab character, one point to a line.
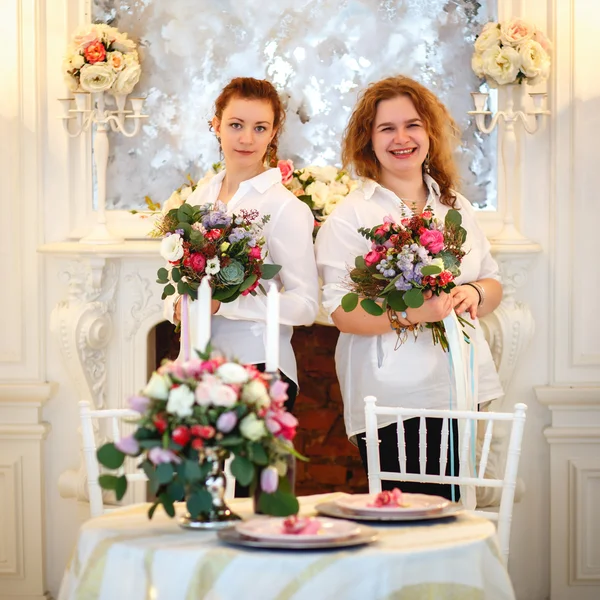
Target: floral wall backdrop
318	53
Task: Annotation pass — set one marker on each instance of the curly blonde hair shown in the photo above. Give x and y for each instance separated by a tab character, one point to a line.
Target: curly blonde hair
249	88
357	148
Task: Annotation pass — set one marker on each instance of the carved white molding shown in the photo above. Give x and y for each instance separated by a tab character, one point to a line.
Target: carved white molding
82	324
144	303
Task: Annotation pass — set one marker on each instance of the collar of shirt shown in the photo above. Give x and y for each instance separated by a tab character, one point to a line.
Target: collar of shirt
261	183
369	186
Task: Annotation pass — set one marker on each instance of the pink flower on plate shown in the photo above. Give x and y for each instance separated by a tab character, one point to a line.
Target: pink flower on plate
296	525
388	499
287	170
433	240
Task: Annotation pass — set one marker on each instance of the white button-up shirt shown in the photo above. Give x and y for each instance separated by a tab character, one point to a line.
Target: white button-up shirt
417	374
239	327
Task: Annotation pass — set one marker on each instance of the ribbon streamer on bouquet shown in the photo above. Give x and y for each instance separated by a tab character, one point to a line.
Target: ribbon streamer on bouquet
463	367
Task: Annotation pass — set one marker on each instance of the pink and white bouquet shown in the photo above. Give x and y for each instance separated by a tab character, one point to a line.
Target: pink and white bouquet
99	59
191	411
201	241
321	188
407	259
513	51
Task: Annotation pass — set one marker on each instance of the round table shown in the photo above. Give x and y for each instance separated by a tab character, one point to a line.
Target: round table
123	555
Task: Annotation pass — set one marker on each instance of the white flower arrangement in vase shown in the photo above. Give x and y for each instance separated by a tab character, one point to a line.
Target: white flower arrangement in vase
513	51
100	58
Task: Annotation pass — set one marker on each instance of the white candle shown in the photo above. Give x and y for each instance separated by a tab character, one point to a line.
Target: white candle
272	348
204	315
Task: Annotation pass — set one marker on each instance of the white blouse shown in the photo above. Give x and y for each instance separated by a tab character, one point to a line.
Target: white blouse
417	374
239	327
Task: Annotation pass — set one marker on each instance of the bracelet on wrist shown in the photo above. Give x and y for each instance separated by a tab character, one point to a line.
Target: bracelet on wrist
480	291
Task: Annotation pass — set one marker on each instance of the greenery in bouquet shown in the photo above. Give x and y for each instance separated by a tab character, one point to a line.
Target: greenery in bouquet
512	51
100	58
321	188
191	411
205	240
406	260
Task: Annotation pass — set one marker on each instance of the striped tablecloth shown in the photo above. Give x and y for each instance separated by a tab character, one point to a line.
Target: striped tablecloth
123	556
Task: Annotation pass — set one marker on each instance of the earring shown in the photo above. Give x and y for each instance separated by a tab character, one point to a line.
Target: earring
220	149
426	164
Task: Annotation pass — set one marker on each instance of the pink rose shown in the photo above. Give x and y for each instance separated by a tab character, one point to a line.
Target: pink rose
372	258
433	240
255	253
515	32
287	170
197	262
542	40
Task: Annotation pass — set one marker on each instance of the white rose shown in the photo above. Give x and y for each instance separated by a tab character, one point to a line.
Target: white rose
325	174
232	373
77	61
256	393
534	60
174	201
477	64
318	191
96	78
70	81
127	79
181	400
252	428
332	202
488	37
171	247
122	43
501	64
158	387
515	32
304	175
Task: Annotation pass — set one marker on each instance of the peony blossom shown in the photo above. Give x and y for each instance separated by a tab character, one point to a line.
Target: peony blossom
515	32
127	79
534	60
197	262
232	373
269	480
171	247
128	445
181	400
96	78
502	64
94	52
488	37
433	240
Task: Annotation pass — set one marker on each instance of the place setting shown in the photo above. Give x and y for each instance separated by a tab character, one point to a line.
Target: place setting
390	506
298	533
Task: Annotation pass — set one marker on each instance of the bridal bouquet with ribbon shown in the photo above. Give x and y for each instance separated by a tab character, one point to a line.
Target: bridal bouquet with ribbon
406	260
205	240
192	416
100	58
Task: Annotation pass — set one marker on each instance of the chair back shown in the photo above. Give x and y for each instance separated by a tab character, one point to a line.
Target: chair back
467	446
114	417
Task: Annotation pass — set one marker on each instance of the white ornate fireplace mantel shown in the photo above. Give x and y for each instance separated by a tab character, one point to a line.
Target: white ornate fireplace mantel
111	304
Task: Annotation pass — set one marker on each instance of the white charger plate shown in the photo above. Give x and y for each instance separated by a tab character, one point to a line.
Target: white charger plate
331	509
271	529
413	504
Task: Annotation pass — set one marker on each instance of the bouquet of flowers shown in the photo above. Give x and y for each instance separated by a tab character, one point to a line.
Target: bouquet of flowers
200	241
511	51
191	412
407	259
321	188
101	58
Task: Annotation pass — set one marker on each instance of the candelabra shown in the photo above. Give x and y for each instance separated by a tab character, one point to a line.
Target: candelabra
509	150
84	119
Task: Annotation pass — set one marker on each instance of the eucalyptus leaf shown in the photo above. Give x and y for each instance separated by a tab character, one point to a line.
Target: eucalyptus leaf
430	270
453	217
268	271
359	262
242	469
251	280
109	456
108	482
167	504
162	275
396	301
164	473
371	307
414	298
121	487
175	274
350	302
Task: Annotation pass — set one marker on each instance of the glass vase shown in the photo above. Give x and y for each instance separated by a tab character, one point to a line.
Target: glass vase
219	515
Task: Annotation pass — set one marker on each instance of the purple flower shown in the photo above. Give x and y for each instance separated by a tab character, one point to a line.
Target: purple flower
226	421
215	219
179	231
237	235
269	480
158	455
128	445
139	403
403	285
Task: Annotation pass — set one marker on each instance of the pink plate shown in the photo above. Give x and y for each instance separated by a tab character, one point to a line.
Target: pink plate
413	504
271	528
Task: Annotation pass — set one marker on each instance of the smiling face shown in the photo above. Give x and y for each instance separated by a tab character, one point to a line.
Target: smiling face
399	139
245	129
